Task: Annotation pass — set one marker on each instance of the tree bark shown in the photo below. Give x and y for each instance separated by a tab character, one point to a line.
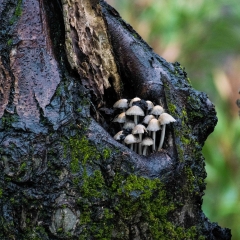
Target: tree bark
62	67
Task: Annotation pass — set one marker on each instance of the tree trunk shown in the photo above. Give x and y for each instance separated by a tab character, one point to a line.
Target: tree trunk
62	67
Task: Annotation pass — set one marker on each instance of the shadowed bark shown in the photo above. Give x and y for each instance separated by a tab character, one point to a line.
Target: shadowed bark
62	67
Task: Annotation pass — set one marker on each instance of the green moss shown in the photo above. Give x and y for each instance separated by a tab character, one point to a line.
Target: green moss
180	153
36	233
190	179
131	194
135	34
58	91
185	140
23	166
194	103
187	146
92	185
85	102
7	120
183	135
184	114
195	114
59	230
76	181
189	81
106	153
81	151
172	108
9	42
17	12
1	192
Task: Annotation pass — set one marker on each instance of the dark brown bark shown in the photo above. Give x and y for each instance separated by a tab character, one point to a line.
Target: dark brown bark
62	66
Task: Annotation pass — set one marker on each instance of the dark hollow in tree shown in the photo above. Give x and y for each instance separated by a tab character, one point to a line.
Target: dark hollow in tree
63	176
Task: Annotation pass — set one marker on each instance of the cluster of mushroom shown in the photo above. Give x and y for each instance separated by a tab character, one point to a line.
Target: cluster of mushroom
141	131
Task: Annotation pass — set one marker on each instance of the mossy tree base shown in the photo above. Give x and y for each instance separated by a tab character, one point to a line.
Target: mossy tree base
63	175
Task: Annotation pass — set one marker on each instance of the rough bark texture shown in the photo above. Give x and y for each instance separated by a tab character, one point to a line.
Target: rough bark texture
62	66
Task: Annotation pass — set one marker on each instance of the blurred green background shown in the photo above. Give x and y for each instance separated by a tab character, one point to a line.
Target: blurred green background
204	36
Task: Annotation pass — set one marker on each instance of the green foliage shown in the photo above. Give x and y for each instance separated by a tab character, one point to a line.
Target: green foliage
223	173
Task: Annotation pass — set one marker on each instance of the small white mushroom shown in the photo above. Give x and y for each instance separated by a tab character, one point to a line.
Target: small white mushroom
154	126
134	100
135	111
121	118
129	124
147	119
140	130
164	119
157	110
122	104
150	106
130	139
146	142
118	136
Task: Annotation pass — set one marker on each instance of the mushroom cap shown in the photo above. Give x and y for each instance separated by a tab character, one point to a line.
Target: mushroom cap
150	105
135	110
130	139
139	129
148	118
157	110
147	141
154	125
134	100
122	103
165	118
118	136
121	118
129	124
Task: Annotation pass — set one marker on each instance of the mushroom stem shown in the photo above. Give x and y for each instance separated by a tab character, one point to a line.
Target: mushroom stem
136	119
162	137
140	144
135	147
154	137
131	146
145	150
